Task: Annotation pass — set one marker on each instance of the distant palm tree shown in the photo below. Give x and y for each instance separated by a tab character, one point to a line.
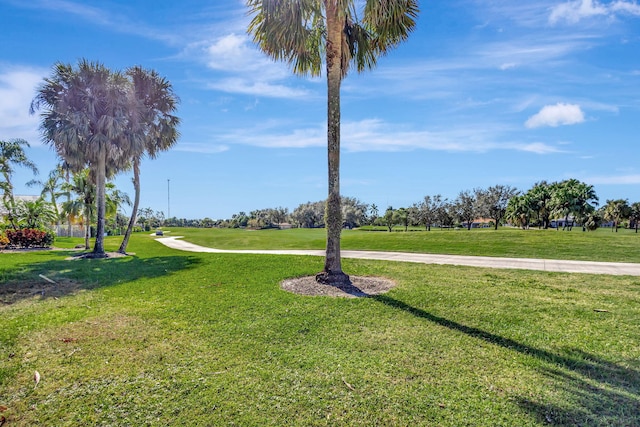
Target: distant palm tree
12	154
155	103
83	206
300	33
85	119
36	213
615	211
52	188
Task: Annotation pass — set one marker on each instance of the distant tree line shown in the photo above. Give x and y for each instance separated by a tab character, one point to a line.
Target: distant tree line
561	205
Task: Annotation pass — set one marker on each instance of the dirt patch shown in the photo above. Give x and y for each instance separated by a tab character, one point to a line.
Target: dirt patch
360	287
17	291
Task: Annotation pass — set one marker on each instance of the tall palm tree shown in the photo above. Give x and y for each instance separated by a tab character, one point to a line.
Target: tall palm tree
85	117
300	32
155	103
11	155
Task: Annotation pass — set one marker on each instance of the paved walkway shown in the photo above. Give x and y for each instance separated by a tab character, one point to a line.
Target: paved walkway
590	267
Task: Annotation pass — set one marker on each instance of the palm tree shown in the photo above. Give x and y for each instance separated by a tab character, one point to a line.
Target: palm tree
36	214
519	210
12	154
634	215
85	118
52	188
84	205
540	197
155	103
300	32
615	211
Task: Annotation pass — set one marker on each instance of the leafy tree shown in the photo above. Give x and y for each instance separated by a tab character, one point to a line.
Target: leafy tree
465	208
11	155
430	210
85	117
300	33
401	216
389	218
309	215
616	211
493	201
154	105
354	212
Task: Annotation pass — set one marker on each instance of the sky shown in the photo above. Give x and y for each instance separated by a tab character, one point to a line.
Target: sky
484	92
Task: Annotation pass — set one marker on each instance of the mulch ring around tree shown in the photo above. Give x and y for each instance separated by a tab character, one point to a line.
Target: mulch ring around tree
360	287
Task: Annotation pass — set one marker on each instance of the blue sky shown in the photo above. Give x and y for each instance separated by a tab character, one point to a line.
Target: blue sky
483	93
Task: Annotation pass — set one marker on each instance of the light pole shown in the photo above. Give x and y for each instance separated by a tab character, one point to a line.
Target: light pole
168	199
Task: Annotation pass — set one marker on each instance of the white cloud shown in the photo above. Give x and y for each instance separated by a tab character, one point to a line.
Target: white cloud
258	88
556	115
575	11
374	135
203	148
17	89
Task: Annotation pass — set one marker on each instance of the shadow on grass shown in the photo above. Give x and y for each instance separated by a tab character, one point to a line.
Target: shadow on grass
60	277
603	392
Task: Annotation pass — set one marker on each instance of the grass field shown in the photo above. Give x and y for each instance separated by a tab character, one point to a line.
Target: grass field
170	338
601	245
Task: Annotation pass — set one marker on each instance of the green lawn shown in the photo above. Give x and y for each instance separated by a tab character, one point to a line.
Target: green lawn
601	245
171	338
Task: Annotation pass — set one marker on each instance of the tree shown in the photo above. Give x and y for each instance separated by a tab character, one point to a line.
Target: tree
465	207
540	198
572	197
85	118
11	155
634	215
35	214
52	188
154	105
300	32
401	216
493	201
82	206
430	209
519	211
616	211
389	218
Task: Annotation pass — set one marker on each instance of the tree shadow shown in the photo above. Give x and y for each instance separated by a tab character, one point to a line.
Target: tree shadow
604	392
60	277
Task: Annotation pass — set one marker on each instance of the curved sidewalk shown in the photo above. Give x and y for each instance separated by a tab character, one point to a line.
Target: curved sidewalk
589	267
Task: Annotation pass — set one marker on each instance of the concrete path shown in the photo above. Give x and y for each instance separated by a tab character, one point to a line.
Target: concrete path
590	267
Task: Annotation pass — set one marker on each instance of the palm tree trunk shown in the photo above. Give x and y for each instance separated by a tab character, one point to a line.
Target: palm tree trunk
136	203
332	273
87	231
98	249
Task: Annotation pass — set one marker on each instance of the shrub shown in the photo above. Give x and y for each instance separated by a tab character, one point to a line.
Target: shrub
4	241
30	238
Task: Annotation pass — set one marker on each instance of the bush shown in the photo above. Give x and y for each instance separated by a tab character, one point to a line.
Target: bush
30	238
4	241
